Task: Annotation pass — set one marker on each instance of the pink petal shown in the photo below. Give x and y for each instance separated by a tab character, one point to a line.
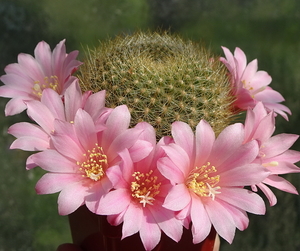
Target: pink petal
95	103
246	175
241	61
229	62
133	219
278	144
148	132
65	128
260	79
249	71
291	156
70	63
85	129
205	138
96	192
43	56
53	102
45	119
117	122
17	69
58	57
260	112
178	198
243	155
170	170
265	128
126	139
281	167
52	161
15	106
115	219
114	202
221	219
243	199
27	129
250	125
12	89
280	183
55	182
140	150
183	136
269	96
239	216
30	163
244	99
179	157
201	223
150	233
17	83
279	109
29	143
115	175
71	198
229	140
127	168
68	147
73	99
268	193
184	215
167	222
31	66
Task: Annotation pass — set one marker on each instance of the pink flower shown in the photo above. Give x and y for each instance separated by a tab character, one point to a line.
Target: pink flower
27	79
81	156
250	86
274	151
32	137
139	193
208	176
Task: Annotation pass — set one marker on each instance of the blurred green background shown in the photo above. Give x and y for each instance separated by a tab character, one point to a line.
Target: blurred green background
265	29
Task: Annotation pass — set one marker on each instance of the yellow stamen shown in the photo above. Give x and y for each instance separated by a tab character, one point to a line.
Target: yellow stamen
144	187
95	163
51	82
202	182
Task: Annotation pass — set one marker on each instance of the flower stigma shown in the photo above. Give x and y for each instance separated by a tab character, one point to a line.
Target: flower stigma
95	164
202	181
145	187
38	87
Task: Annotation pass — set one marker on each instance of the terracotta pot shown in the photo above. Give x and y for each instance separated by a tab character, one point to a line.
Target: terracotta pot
93	233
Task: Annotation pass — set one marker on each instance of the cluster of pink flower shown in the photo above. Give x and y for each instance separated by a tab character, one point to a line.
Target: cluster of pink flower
92	157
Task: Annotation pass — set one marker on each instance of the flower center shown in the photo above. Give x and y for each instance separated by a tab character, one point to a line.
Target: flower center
144	187
51	82
202	181
251	89
95	163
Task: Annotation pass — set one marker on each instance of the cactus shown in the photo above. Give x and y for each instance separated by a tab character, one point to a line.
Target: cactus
162	79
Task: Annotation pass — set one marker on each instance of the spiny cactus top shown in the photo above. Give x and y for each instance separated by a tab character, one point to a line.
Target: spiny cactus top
162	79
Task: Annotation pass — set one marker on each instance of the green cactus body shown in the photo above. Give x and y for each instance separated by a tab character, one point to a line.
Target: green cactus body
161	79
